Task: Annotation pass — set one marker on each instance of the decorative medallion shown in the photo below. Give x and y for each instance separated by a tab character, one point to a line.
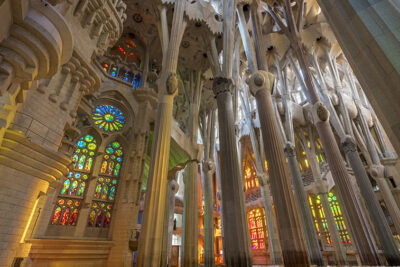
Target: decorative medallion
108	118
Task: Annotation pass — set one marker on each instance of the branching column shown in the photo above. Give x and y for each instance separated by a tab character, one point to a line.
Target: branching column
236	236
208	172
293	247
150	243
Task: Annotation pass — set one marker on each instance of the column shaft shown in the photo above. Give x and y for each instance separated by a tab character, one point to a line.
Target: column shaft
382	229
235	234
150	245
191	228
358	225
292	242
310	233
208	216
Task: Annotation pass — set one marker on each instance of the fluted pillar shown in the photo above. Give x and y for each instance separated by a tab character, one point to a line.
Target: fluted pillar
191	227
382	229
358	225
209	169
310	233
150	242
292	241
174	187
235	234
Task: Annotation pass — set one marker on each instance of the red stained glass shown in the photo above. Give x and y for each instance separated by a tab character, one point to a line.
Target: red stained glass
65	217
56	215
73	218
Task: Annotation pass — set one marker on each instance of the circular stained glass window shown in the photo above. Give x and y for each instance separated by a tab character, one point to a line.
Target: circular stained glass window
108	118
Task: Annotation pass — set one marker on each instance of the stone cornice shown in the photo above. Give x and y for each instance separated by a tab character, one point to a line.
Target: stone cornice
19	153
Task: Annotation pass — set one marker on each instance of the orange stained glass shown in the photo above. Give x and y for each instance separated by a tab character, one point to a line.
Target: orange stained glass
257	228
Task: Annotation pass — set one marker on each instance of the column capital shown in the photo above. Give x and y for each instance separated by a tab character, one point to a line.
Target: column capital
222	85
319	112
261	80
377	171
290	150
348	144
172	83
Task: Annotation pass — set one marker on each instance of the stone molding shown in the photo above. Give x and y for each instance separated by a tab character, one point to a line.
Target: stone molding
19	153
53	251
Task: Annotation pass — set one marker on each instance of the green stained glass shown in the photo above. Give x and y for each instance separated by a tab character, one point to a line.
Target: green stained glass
116	145
65	186
108	118
81	189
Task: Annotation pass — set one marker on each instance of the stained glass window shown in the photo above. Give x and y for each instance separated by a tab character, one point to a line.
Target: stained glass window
106	67
257	228
100	215
320	219
249	172
66	212
338	215
75	184
324	223
106	185
108	118
137	81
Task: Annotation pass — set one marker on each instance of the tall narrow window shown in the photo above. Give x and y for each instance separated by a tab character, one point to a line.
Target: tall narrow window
319	216
337	214
106	187
323	220
75	184
257	228
249	171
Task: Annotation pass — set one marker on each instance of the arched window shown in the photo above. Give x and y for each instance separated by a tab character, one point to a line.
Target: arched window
249	171
75	184
257	228
104	195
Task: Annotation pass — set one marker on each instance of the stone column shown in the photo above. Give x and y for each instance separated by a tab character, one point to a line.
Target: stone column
292	240
310	233
208	173
191	214
340	251
322	189
174	189
377	172
209	170
382	229
235	234
355	215
150	242
128	207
